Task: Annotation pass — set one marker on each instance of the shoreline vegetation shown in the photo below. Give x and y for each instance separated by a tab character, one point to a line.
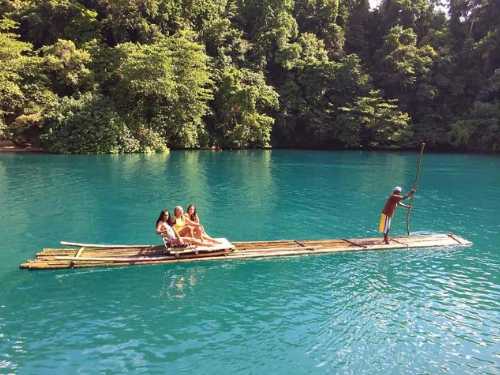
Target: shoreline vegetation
16	149
101	76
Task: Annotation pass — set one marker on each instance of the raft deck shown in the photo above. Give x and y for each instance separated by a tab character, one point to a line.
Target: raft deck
123	255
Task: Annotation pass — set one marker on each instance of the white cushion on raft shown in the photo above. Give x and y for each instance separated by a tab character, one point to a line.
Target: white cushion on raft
224	245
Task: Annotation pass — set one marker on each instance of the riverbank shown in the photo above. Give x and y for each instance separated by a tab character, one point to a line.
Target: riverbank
10	147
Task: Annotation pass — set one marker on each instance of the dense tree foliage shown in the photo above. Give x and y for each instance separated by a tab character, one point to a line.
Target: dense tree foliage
85	76
241	100
165	85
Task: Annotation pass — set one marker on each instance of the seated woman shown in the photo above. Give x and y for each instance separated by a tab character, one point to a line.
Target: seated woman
184	229
164	229
193	219
179	223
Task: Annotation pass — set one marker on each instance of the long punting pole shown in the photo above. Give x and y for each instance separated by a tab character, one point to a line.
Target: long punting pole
415	184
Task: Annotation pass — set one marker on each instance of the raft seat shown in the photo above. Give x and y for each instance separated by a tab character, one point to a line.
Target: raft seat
177	250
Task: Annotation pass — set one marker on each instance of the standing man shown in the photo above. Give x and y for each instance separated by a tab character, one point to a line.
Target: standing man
390	207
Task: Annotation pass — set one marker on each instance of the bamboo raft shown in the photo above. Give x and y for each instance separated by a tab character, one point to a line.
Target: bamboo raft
77	255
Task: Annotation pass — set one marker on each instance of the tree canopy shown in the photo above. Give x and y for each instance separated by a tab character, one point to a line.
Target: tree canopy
102	76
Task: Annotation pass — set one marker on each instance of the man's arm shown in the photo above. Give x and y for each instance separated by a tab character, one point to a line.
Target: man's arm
409	194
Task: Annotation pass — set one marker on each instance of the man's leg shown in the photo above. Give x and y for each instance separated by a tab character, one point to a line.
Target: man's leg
387	229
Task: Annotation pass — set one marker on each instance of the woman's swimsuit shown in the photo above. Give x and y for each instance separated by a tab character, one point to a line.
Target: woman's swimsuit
179	223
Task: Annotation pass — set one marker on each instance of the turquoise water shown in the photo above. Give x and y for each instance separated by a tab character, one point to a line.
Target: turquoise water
428	311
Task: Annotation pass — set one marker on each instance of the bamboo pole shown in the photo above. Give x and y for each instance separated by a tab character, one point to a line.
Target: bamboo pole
414	187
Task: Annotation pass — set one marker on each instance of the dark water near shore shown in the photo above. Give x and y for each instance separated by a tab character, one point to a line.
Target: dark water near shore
429	311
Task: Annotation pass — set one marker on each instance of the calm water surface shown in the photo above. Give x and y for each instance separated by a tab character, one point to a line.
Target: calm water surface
428	311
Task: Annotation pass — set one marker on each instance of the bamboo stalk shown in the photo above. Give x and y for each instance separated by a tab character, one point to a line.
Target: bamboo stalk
108	246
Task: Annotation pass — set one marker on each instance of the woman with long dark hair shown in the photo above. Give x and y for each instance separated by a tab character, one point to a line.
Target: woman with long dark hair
192	218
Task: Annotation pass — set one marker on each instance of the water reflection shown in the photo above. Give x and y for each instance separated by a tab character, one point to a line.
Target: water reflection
194	183
250	190
178	283
245	189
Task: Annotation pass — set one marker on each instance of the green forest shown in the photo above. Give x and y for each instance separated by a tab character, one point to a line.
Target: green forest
113	76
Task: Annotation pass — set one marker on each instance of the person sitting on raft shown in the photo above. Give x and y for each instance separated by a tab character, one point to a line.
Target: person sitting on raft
193	219
164	229
390	206
185	228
